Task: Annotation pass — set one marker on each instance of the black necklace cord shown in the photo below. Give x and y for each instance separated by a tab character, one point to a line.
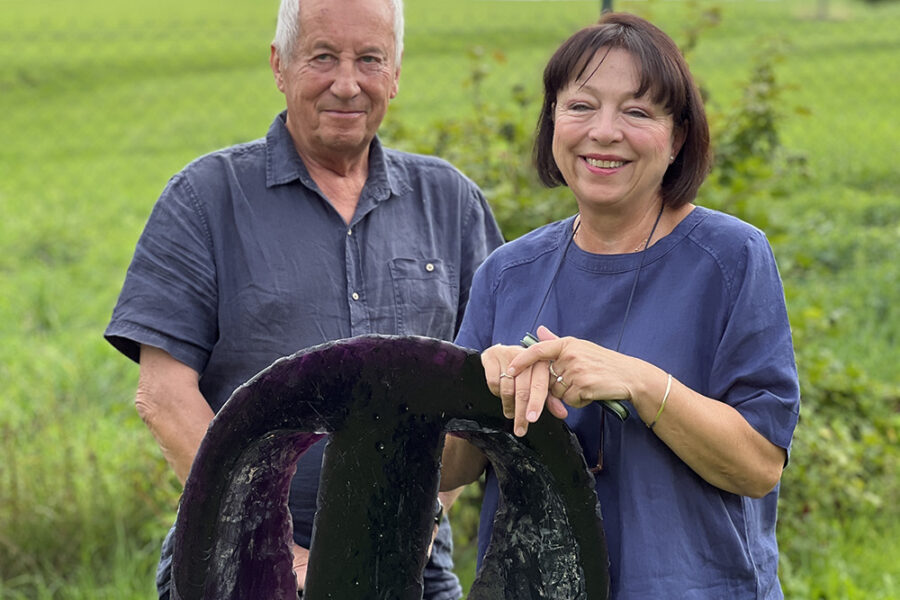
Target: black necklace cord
636	274
616	407
531	338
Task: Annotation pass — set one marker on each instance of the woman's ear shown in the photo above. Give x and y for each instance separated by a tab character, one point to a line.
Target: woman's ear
678	137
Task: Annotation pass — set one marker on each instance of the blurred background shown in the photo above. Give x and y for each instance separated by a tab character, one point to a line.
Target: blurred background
100	103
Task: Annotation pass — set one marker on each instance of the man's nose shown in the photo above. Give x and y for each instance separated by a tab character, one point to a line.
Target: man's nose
345	84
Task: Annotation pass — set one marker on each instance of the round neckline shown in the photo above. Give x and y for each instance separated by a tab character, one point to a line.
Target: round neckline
613	263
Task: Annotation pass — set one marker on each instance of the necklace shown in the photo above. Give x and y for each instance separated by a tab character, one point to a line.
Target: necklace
616	408
644	243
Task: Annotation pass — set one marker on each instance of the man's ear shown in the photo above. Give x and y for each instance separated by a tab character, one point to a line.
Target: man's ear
396	87
275	63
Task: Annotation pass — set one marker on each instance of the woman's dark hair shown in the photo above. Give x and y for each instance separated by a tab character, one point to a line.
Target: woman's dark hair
663	73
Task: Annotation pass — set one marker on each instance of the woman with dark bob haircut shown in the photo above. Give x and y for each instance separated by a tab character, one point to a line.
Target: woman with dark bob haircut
662	335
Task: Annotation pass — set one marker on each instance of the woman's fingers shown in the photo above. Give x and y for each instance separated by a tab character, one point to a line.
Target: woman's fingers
547	349
508	394
523	386
491	364
545	334
530	396
556	407
495	360
538	392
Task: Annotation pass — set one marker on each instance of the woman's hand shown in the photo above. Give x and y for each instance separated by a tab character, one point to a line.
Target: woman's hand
530	387
566	371
710	436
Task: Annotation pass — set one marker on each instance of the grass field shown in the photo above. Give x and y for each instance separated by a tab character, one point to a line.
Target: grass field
101	102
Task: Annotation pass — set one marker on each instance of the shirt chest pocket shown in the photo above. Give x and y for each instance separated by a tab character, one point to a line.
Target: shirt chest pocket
426	297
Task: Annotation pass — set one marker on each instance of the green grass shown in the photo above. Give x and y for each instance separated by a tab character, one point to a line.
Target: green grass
102	102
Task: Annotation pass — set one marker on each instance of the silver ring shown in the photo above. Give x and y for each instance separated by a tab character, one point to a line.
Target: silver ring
505	374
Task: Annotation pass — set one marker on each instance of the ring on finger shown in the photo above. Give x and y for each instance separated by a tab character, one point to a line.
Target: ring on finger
558	377
505	374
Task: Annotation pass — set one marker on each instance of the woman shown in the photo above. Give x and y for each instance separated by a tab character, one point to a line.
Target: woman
675	310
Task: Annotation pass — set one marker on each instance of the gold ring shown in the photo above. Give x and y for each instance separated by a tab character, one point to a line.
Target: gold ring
559	378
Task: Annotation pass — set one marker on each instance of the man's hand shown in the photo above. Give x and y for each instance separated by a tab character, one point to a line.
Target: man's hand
301	561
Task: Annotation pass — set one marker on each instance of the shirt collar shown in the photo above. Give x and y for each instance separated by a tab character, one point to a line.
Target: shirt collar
284	165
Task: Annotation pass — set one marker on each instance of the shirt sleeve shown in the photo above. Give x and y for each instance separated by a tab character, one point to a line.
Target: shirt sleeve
481	236
476	330
168	299
754	368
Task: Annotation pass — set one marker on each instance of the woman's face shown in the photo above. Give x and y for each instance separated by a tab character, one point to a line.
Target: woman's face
611	147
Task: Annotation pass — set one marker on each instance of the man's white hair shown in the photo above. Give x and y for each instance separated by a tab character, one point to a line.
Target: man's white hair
288	28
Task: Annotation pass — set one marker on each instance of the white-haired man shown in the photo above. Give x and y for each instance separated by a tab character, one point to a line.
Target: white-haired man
313	233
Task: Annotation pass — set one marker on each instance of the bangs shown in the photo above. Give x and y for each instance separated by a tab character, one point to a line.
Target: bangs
660	78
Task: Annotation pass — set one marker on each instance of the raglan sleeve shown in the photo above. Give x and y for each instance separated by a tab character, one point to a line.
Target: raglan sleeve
754	369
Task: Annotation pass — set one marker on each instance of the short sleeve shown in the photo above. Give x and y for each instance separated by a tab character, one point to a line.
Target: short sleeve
476	330
754	368
168	299
481	236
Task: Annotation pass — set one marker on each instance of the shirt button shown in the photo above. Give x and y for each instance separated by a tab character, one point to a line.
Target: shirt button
355	296
429	267
349	232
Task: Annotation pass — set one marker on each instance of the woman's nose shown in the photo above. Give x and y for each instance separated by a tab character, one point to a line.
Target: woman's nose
605	126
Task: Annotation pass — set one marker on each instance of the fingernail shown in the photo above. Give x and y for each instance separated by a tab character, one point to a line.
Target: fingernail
520	431
531	416
510	371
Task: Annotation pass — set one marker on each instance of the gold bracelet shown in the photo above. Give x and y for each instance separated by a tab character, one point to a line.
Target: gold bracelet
662	404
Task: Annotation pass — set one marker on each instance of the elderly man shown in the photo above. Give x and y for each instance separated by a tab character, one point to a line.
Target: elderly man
315	232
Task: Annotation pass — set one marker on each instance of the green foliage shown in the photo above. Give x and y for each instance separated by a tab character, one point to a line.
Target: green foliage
73	482
751	167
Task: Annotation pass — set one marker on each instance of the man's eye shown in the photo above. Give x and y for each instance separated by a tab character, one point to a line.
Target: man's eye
370	60
322	57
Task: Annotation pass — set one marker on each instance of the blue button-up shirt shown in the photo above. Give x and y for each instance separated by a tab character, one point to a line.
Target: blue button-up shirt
243	260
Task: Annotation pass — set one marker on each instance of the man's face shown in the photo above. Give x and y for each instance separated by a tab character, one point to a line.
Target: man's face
341	77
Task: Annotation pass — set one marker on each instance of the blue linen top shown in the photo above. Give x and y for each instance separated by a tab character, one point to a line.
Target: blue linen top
709	309
243	261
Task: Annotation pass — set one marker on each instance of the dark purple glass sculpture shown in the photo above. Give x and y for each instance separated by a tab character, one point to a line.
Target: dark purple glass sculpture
386	402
